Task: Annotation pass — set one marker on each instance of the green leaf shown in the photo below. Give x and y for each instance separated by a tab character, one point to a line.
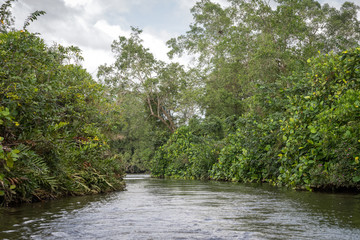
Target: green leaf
12	187
9	162
347	134
312	129
356	179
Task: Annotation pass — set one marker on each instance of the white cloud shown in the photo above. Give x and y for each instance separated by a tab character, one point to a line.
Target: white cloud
155	41
75	3
112	31
187	4
156	45
93	8
96	57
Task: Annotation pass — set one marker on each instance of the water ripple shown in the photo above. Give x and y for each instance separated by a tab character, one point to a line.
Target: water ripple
169	209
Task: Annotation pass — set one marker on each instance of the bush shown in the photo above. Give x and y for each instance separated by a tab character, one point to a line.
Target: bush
191	151
52	123
321	132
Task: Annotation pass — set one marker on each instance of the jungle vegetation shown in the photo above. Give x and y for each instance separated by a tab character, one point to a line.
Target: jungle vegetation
55	120
272	95
280	96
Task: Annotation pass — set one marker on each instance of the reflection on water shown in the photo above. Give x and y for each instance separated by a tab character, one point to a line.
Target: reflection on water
179	209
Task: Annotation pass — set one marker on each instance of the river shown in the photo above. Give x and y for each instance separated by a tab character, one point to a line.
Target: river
181	209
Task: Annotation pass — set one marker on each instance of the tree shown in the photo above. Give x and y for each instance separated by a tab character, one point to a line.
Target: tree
163	87
250	44
155	97
6	18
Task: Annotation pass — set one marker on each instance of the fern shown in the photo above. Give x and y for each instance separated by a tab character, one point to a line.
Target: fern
36	169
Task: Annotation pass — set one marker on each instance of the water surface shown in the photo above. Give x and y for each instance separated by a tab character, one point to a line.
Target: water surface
180	209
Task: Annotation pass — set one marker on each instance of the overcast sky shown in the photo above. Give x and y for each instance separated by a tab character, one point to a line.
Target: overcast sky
92	25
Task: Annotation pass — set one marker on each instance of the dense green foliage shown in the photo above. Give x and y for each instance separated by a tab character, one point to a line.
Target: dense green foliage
273	97
136	137
155	96
314	143
286	89
191	151
251	72
53	122
321	132
249	43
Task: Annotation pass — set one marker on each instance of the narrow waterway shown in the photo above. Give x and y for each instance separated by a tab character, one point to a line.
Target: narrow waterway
179	209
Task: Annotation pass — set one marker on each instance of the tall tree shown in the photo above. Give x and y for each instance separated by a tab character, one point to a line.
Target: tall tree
249	43
155	97
162	87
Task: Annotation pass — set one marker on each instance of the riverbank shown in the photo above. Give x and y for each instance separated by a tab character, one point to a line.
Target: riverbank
309	139
79	189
